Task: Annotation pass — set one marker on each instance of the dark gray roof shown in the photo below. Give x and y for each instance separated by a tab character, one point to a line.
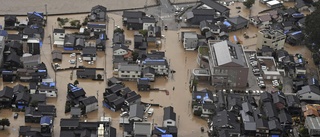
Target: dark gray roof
133	14
308	88
215	5
23	96
261	123
118	38
278	98
7	92
300	4
169	113
292	101
38	97
148	70
69	122
265	96
274	124
89	51
58	31
136	110
284	117
133	98
129	67
86	72
237	20
89	100
148	20
102	8
270	110
120	46
19	88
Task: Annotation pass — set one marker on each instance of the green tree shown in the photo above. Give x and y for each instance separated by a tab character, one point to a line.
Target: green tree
118	30
248	3
303	132
135	55
76	82
143	32
312	29
4	122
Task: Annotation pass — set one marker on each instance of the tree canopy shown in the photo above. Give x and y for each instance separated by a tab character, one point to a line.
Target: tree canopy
312	29
248	3
4	122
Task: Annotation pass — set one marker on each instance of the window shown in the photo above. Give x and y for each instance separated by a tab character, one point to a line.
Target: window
137	72
133	76
122	71
128	71
61	34
265	41
309	96
169	122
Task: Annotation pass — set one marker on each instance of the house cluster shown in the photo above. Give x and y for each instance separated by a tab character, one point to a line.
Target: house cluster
20	53
240	115
135	124
214	24
138	20
76	98
75	127
138	63
118	97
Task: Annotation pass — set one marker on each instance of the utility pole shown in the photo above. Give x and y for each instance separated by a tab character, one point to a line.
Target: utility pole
145	6
46	13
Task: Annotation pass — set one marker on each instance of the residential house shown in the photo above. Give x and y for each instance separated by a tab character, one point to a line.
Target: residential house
207	10
228	65
309	93
133	19
113	80
56	56
12	62
169	117
285	119
262	21
275	127
129	71
151	32
89	54
270	110
136	113
113	89
227	121
302	23
238	22
313	126
118	38
58	37
148	72
248	119
98	14
274	39
101	44
148	21
6	96
75	92
295	38
2	47
46	125
265	51
88	104
202	102
15	46
33	87
157	31
118	60
279	100
133	98
48	88
96	28
113	102
120	50
30	61
86	73
34	46
10	21
162	131
293	105
79	44
34	114
142	129
69	42
301	5
138	40
75	112
8	76
19	88
190	40
161	66
22	100
35	18
143	84
38	99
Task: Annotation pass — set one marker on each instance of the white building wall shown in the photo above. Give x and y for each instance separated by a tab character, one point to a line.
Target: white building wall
120	52
129	74
169	122
146	25
89	58
48	93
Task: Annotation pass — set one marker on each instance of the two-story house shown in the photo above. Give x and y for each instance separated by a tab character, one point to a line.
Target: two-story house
262	21
129	71
189	40
89	54
227	64
160	66
136	113
88	104
58	37
22	100
274	39
47	88
34	114
6	96
169	117
120	50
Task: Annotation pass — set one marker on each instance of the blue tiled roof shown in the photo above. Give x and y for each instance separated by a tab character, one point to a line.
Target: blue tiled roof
46	120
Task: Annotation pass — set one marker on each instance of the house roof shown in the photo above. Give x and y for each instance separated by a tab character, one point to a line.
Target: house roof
46	120
58	31
143	81
23	96
266	49
88	100
169	114
142	128
274	124
114	88
14	37
19	88
86	72
215	5
284	117
307	89
30	59
156	55
133	14
227	52
270	110
57	54
66	122
237	20
129	67
96	26
15	44
13	57
313	123
120	46
300	4
7	92
278	97
155	62
41	110
89	51
261	123
114	80
265	96
138	38
148	20
136	110
111	97
148	70
118	101
38	97
133	98
118	38
265	18
75	91
101	8
75	111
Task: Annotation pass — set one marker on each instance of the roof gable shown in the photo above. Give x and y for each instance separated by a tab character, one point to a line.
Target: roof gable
215	5
169	114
